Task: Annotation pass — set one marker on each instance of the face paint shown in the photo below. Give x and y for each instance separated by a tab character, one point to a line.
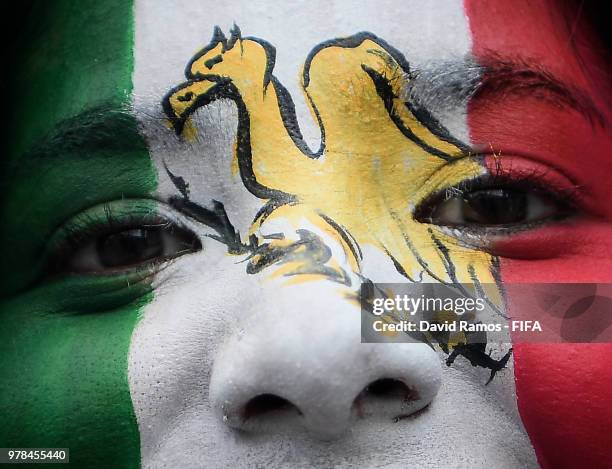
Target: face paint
79	151
303	154
371	80
297	167
540	129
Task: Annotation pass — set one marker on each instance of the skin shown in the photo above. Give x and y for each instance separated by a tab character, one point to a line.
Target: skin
51	326
575	251
178	349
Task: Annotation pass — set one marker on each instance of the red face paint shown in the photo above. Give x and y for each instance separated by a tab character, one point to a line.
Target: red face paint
563	390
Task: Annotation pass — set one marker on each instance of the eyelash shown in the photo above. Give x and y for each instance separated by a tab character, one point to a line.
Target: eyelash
534	181
88	226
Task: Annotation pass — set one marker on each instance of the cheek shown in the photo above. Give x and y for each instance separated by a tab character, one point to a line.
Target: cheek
66	367
563	393
563	389
195	305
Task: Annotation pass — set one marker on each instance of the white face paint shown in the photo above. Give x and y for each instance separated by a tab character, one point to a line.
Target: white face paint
215	337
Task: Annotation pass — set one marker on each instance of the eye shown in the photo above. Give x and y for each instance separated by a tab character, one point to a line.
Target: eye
127	248
493	206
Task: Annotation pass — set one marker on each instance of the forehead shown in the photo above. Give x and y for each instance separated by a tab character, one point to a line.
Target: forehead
431	35
70	57
423	31
112	50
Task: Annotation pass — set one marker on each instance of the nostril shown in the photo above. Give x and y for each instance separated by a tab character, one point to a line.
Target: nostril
388	388
388	398
265	404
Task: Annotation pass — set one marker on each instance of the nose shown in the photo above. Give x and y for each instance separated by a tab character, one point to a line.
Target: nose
303	364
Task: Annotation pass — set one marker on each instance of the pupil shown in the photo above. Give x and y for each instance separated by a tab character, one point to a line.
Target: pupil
129	247
495	206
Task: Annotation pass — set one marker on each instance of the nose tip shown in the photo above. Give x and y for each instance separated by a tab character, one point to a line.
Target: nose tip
323	392
300	364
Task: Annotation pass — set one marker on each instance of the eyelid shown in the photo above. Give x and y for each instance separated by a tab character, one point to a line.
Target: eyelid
509	171
520	168
106	218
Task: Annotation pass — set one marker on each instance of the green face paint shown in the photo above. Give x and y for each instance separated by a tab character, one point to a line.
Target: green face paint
64	340
65	382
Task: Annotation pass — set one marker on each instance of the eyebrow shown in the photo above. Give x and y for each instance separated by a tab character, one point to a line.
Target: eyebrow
106	125
529	78
453	83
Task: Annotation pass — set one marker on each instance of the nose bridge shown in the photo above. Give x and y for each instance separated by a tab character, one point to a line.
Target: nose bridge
303	346
297	240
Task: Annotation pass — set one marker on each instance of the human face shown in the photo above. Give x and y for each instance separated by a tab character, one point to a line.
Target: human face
183	241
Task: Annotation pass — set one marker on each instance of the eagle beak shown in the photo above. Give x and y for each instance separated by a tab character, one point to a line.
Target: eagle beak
184	99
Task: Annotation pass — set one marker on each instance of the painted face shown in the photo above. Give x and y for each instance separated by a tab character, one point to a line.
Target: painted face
189	222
